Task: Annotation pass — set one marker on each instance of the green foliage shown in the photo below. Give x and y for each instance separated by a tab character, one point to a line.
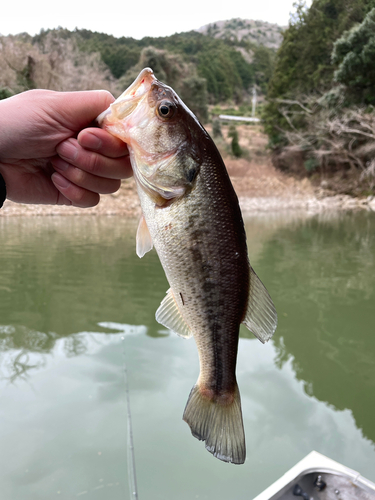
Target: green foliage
226	71
25	77
119	54
311	164
219	69
171	69
354	54
235	145
194	94
164	65
303	63
230	66
5	93
216	128
263	66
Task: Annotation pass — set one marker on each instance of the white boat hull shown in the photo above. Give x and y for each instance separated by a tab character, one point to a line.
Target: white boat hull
317	477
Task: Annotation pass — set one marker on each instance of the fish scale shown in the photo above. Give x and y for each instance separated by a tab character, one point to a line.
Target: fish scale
202	269
192	217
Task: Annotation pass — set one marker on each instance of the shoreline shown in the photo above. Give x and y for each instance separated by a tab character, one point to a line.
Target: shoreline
125	203
260	188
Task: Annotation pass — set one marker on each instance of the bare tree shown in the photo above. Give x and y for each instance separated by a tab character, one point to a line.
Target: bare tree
330	138
57	63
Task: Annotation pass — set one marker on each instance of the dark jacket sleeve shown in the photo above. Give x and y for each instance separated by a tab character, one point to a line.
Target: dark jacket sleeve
3	191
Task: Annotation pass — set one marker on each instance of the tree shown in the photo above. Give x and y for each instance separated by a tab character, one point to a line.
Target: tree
263	66
174	71
354	54
303	63
194	94
53	62
235	145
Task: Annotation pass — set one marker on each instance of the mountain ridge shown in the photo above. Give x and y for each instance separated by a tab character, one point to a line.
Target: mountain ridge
249	30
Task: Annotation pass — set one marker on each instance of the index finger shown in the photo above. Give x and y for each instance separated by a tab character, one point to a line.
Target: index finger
100	141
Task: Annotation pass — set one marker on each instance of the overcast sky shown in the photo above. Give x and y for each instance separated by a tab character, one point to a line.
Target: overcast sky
135	18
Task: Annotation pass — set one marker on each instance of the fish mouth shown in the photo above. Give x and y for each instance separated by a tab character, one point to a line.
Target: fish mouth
124	105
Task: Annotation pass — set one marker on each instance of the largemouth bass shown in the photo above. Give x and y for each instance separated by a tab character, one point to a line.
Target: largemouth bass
192	217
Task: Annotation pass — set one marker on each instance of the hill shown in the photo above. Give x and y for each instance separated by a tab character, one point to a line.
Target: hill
220	64
238	30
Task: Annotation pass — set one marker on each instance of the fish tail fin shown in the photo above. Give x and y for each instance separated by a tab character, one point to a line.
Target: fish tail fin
218	422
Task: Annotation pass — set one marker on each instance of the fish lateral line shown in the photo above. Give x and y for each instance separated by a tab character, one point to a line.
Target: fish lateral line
178	168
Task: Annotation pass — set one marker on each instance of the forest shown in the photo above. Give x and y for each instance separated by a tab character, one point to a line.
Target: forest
204	68
319	114
315	79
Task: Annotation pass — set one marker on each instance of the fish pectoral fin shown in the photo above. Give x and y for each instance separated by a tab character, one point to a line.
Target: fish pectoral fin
158	189
161	194
143	241
169	315
261	316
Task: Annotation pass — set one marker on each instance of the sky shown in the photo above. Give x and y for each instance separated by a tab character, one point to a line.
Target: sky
134	18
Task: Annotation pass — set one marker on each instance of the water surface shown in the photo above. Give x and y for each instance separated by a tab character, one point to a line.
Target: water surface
77	306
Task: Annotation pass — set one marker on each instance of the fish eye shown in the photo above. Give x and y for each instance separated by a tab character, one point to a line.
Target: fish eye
166	109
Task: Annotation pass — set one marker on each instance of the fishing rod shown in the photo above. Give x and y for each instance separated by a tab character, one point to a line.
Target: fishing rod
131	457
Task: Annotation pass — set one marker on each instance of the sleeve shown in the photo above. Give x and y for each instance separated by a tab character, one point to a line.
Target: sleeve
3	191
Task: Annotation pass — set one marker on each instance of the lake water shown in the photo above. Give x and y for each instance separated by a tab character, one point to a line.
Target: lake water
77	306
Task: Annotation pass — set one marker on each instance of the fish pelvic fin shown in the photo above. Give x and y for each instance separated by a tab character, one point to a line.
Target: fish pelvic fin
143	240
218	422
169	315
261	316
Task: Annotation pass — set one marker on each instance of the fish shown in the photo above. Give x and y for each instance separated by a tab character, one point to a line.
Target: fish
191	215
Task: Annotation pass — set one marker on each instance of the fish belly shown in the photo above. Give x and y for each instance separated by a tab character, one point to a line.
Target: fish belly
201	243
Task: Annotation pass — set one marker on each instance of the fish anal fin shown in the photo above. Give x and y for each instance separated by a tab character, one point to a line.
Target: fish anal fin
219	425
169	315
143	241
261	316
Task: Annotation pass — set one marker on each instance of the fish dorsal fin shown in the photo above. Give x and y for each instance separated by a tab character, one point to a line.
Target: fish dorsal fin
261	316
143	241
168	315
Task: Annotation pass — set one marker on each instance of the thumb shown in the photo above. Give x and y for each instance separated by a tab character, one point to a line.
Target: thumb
79	109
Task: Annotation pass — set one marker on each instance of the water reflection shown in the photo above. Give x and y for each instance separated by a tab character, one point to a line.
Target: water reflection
58	275
324	285
76	303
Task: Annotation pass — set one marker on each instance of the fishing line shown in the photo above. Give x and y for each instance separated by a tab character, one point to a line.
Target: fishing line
133	490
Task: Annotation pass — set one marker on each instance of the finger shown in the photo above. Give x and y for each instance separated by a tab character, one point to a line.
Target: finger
84	179
78	196
94	163
82	109
97	139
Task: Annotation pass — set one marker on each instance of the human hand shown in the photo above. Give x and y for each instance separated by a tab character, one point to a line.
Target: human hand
43	160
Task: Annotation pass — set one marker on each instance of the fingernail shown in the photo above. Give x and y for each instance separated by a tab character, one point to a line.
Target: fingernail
60	181
90	141
68	150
